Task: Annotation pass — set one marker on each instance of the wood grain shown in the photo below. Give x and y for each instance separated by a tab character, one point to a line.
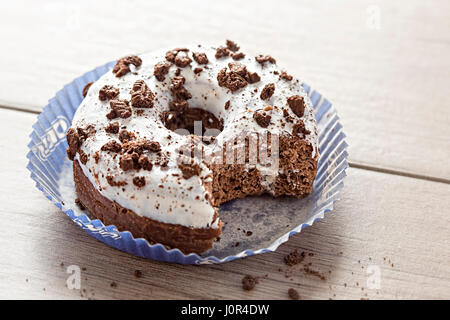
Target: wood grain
400	225
389	81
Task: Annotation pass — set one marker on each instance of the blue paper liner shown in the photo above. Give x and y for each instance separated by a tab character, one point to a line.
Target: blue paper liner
48	153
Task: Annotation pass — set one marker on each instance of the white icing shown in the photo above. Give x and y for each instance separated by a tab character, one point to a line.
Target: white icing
182	201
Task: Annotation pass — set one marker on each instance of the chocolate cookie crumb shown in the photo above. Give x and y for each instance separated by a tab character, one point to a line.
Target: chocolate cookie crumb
294	258
293	294
145	163
182	60
249	282
112	127
141	95
73	139
122	66
119	108
138	273
253	77
126	162
86	88
237	55
297	105
126	136
262	118
299	129
139	181
198	70
262	59
113	183
285	76
231	80
79	204
222	52
267	91
112	146
189	170
315	273
113	284
160	70
232	46
227	105
200	58
107	92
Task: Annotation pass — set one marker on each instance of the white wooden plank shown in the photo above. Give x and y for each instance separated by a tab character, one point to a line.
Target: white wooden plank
397	224
384	65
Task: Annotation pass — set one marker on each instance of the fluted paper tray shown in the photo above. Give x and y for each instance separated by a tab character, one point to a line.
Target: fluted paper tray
253	225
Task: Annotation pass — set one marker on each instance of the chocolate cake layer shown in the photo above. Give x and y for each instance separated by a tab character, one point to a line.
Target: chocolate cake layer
111	213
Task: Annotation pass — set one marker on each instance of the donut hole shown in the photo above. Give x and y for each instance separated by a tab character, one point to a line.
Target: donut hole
195	121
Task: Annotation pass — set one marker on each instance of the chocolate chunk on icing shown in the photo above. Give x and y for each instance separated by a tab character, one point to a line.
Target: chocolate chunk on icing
297	105
189	170
267	91
262	118
262	59
200	58
161	70
119	109
107	92
141	95
122	66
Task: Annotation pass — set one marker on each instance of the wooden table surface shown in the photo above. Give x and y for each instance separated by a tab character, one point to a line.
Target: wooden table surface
385	65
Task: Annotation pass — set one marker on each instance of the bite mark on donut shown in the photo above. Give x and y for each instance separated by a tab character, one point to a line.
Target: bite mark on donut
119	108
141	95
297	105
267	91
107	92
122	66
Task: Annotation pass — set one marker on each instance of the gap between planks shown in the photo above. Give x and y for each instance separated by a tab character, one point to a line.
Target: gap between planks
351	163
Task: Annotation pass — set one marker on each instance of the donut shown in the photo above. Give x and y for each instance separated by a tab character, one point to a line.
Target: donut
166	137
